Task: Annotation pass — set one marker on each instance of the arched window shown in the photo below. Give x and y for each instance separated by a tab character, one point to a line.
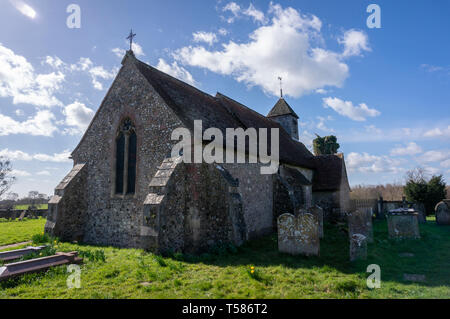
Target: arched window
126	149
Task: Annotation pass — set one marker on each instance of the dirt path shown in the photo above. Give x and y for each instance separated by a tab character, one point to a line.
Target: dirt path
15	245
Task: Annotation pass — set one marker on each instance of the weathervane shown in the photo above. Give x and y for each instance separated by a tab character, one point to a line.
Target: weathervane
281	86
131	37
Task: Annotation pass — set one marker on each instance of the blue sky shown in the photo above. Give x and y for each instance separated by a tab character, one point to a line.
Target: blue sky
383	92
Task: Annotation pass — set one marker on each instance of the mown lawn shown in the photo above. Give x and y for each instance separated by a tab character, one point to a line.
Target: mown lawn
25	207
133	273
19	231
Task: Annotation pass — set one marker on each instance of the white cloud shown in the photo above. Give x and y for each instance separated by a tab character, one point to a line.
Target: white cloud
176	71
19	173
24	8
223	31
354	43
256	14
78	115
321	124
446	163
207	37
281	48
234	8
54	62
43	173
435	156
346	108
39	125
95	72
15	155
410	149
136	47
438	132
19	81
120	53
367	163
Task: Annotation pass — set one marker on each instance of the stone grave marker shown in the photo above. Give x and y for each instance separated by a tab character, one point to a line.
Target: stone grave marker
360	222
358	247
442	210
403	224
317	211
420	209
298	234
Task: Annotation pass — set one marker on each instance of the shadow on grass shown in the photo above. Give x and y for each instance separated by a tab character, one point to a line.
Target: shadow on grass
429	256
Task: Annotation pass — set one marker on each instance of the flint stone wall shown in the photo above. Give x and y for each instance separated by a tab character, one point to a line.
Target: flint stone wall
193	208
67	208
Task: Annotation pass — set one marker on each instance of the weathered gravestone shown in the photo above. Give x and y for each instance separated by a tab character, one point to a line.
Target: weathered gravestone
317	212
442	210
420	209
360	222
403	224
298	234
358	247
22	215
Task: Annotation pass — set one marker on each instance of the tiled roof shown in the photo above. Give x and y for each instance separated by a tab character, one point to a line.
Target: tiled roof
220	112
330	172
281	108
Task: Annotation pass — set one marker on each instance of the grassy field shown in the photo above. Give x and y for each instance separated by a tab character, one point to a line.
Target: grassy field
18	231
133	273
25	207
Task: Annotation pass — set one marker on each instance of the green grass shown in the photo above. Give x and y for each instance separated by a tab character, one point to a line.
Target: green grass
132	273
19	231
25	207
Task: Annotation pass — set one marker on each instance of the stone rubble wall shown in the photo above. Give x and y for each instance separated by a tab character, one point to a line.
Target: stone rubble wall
67	208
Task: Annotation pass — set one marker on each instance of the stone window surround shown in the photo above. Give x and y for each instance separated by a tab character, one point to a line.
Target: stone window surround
124	195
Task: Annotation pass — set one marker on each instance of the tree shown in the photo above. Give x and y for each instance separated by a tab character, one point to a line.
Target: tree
325	145
420	188
6	178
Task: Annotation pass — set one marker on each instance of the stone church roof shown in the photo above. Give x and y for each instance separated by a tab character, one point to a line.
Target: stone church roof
220	112
282	108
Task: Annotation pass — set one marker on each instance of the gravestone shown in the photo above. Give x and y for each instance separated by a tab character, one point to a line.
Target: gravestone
403	224
442	210
360	222
358	247
420	209
298	234
22	215
317	211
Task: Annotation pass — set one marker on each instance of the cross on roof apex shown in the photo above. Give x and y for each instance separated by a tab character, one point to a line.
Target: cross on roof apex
131	37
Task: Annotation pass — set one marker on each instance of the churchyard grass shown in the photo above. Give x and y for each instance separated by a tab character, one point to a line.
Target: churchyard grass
19	231
227	272
25	207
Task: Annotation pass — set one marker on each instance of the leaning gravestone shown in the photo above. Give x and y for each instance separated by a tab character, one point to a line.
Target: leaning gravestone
22	215
317	211
298	234
358	247
403	224
442	210
360	222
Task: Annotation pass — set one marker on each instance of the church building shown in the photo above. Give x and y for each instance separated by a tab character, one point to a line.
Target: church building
126	190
